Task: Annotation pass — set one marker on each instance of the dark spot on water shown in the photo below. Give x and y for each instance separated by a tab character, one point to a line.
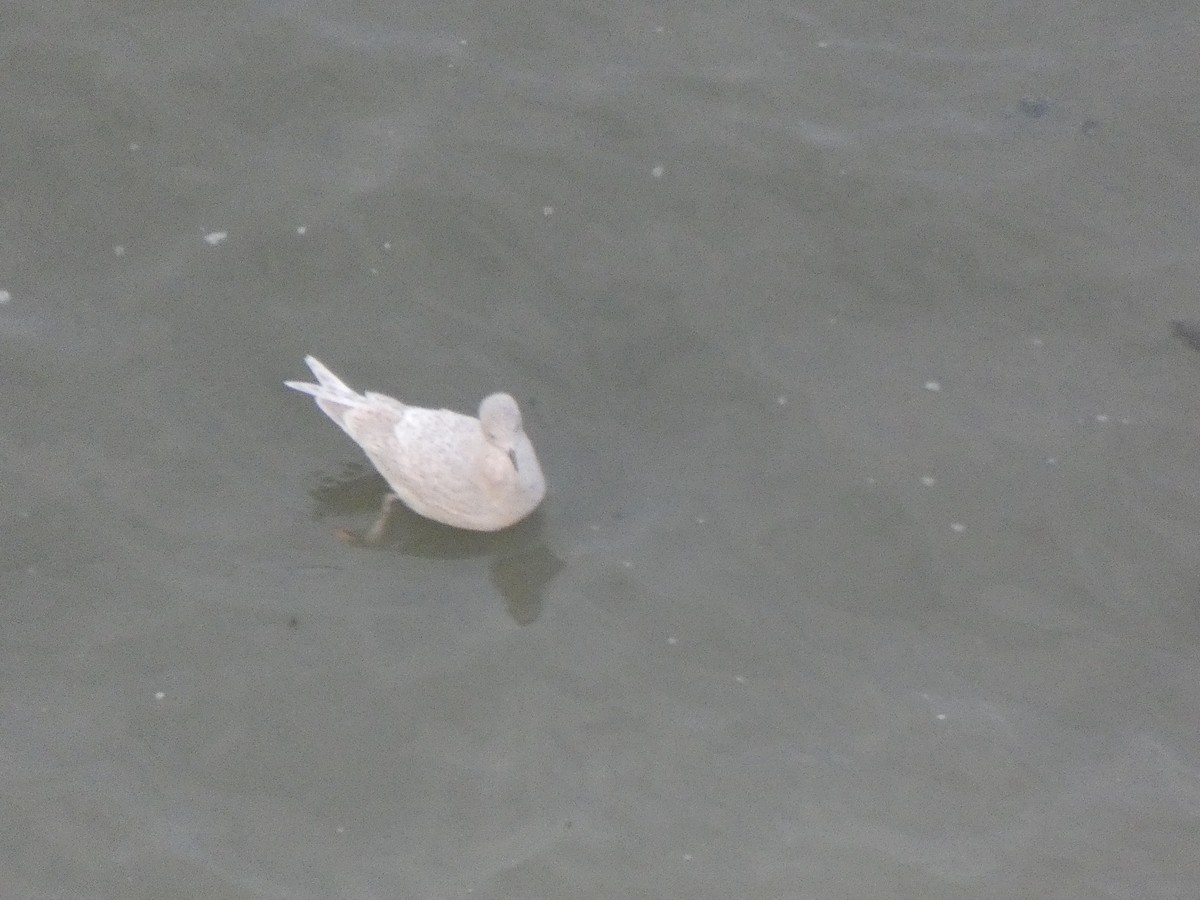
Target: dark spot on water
1188	331
1033	107
1089	127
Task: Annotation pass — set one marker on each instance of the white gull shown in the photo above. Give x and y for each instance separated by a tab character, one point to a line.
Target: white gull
480	474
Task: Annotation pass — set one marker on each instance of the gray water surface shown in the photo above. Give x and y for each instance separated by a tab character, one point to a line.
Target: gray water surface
869	563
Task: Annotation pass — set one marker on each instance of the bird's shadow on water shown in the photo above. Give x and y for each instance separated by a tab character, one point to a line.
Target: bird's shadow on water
521	564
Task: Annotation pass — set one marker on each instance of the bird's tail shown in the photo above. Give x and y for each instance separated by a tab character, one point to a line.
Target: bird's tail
328	385
333	396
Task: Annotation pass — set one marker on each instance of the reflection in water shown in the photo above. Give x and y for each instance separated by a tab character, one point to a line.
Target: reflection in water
354	489
522	578
522	564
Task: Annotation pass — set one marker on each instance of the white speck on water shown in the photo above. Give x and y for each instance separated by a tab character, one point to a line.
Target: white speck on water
781	399
5	296
822	44
740	679
1124	421
941	717
928	480
958	527
687	857
626	564
374	271
1051	460
216	237
672	641
119	250
462	42
387	245
657	171
547	210
933	385
159	695
1036	342
700	520
1101	418
301	229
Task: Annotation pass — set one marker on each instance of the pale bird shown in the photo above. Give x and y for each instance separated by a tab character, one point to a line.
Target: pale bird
480	474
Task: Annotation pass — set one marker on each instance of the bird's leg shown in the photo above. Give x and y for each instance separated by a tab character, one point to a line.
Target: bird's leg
379	529
375	533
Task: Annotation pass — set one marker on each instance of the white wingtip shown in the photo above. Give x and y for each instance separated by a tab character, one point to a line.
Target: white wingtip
303	387
326	378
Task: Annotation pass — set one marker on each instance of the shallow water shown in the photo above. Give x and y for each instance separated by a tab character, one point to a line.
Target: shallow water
844	337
